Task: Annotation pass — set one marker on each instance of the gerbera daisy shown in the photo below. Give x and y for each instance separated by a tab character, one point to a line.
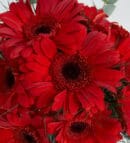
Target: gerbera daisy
23	129
74	80
11	90
56	19
7	82
81	128
97	20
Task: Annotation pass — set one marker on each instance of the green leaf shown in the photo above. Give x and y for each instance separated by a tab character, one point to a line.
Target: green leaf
109	8
1	56
51	138
110	1
33	1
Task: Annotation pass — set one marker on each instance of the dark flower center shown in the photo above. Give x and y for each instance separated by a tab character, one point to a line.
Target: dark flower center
78	127
29	135
9	78
71	71
29	138
43	29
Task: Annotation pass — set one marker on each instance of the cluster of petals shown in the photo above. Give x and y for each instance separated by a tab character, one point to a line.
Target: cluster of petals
64	74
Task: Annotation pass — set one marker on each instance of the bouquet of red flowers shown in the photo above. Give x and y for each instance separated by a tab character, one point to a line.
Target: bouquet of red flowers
64	74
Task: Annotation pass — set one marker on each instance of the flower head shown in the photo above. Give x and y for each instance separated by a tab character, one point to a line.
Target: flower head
84	129
57	20
74	80
8	82
11	90
22	127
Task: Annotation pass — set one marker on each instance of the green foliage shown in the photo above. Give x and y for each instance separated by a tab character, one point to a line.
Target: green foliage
109	1
1	56
52	138
109	8
113	104
33	1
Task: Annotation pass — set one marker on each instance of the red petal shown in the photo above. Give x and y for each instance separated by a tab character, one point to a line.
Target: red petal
59	101
73	103
96	43
24	16
41	88
12	21
5	135
48	47
53	127
107	77
92	96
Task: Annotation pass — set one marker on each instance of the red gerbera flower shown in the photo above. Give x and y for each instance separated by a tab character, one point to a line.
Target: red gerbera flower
7	82
55	19
23	129
76	78
98	129
96	20
11	90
